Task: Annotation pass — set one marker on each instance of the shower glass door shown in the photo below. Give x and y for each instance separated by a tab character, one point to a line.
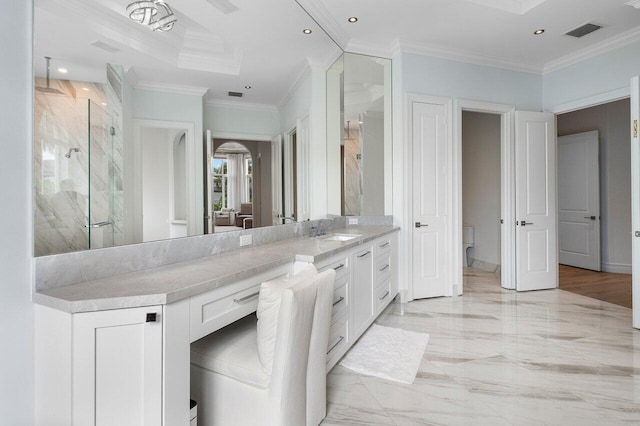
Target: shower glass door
101	178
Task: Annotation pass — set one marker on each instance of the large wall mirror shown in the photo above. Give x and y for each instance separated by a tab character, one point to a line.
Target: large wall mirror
359	136
159	119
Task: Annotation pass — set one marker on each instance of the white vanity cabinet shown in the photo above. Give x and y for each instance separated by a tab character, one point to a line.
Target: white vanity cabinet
362	307
102	368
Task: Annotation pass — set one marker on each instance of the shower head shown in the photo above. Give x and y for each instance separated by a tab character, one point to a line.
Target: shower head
68	154
49	89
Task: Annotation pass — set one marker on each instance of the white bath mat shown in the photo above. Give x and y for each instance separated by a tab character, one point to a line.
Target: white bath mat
389	353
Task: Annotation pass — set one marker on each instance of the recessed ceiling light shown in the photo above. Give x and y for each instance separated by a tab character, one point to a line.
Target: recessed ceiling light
538	32
104	103
353	19
63	70
247	87
307	31
86	89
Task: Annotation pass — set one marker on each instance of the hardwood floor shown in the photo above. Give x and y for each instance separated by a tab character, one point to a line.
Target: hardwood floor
605	286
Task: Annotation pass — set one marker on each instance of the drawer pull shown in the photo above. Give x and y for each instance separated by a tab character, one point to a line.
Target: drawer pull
384	245
385	295
384	267
335	344
152	317
340	266
246	299
338	301
364	254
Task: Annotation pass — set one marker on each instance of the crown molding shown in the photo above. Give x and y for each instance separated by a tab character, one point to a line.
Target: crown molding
170	88
362	47
612	43
319	13
240	105
302	75
468	57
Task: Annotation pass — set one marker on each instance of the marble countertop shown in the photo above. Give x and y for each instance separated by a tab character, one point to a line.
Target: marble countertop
170	283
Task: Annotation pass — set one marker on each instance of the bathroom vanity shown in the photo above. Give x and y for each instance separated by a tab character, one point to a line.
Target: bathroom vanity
117	350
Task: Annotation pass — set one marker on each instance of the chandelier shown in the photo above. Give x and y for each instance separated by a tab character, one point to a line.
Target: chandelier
155	13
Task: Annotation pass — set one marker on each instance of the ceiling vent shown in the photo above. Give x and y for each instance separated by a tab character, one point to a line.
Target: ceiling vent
105	46
584	30
236	94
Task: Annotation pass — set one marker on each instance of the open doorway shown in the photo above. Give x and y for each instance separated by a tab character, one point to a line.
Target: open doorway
594	202
481	193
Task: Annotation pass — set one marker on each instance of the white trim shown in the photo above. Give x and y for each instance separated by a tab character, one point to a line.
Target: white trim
325	20
241	136
607	45
304	73
507	188
599	99
468	57
192	163
616	268
240	105
170	88
363	47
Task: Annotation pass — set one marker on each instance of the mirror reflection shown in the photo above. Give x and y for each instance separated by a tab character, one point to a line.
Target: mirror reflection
359	135
168	128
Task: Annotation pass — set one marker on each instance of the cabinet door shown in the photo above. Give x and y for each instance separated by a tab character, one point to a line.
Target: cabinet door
117	376
362	300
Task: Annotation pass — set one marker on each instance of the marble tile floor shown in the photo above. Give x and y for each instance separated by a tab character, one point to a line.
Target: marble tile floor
498	357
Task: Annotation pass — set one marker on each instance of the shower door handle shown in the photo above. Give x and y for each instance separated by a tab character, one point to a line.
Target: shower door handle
98	224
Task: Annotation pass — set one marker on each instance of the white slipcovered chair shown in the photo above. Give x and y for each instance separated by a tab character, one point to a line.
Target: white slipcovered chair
232	385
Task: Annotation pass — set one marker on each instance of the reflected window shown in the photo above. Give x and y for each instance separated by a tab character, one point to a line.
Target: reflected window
220	183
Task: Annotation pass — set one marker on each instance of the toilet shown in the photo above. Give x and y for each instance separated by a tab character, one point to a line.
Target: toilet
467	242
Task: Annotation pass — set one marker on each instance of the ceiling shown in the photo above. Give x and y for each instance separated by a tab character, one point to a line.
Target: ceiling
223	45
495	32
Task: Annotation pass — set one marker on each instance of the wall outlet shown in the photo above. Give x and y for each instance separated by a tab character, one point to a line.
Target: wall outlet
353	221
245	240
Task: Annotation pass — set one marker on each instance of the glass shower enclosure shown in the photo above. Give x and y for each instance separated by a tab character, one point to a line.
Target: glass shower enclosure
77	175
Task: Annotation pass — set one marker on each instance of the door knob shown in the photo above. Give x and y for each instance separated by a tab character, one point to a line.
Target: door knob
590	217
524	223
420	225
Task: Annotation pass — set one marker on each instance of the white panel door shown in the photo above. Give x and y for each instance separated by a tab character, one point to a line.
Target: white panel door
208	172
276	180
635	198
579	200
536	238
430	245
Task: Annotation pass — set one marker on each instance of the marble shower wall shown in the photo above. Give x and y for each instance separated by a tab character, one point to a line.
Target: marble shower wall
77	123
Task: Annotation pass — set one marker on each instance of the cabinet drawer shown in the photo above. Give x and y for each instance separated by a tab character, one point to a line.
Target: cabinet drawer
339	264
338	341
382	268
382	295
340	298
383	246
219	307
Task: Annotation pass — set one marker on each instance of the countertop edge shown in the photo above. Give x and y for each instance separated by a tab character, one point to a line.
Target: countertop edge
142	300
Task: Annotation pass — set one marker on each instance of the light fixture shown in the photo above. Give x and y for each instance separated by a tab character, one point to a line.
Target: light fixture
86	89
156	14
307	31
62	70
247	87
353	19
539	31
103	103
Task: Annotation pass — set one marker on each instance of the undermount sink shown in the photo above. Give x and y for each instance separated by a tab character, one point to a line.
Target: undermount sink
341	237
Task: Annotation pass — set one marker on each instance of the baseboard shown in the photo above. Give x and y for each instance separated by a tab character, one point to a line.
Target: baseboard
616	268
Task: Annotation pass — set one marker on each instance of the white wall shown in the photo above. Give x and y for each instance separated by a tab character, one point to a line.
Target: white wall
154	105
612	122
16	309
481	183
604	73
226	119
442	77
373	171
297	106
